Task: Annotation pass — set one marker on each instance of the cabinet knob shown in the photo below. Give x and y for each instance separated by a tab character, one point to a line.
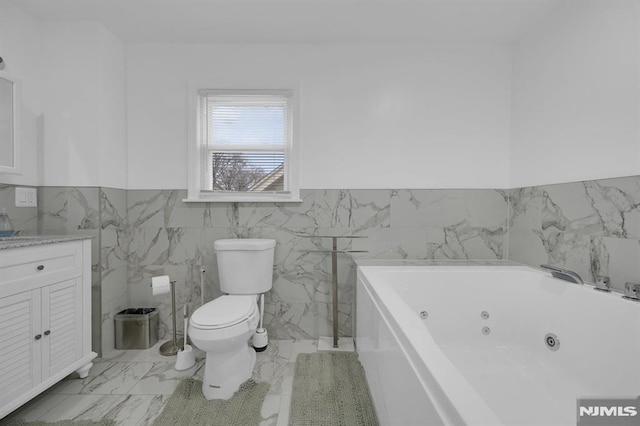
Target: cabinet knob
40	267
48	332
38	336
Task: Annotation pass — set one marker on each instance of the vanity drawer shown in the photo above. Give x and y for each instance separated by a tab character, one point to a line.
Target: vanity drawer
41	264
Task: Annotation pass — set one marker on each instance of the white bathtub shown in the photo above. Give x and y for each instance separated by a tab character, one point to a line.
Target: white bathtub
445	370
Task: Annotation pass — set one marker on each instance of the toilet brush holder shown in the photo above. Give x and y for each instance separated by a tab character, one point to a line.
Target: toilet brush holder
260	339
186	357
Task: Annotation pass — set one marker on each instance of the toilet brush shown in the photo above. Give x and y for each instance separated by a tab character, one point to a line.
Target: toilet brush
186	358
260	338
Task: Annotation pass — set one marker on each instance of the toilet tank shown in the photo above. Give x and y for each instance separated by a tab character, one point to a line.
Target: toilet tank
245	266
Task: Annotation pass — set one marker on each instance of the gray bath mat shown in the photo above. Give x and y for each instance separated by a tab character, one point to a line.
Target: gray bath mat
330	389
187	406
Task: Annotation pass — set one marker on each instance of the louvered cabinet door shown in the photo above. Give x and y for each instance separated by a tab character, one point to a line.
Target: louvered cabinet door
61	325
20	348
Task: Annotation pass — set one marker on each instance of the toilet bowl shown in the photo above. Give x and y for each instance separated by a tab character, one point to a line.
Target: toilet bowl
222	328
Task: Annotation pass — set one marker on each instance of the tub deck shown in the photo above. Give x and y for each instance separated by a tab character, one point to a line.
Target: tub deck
508	375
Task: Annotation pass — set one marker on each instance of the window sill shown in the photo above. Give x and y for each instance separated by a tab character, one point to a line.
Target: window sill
241	200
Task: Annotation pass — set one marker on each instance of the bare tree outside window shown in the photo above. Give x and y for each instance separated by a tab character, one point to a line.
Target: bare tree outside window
231	172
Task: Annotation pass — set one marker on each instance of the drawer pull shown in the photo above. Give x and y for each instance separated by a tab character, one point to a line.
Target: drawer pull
48	332
40	267
38	336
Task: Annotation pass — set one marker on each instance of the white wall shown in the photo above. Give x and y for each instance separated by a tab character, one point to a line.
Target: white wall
84	120
21	49
576	95
112	107
372	116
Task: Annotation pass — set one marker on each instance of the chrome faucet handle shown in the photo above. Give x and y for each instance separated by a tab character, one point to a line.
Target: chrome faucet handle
603	284
632	291
563	274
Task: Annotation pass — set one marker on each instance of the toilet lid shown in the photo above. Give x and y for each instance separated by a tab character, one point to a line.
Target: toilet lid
224	311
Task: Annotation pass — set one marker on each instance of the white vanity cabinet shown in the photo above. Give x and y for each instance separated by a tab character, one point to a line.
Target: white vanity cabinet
45	318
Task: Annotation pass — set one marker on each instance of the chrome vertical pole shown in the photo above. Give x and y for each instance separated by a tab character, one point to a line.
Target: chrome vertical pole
173	313
334	273
334	279
171	347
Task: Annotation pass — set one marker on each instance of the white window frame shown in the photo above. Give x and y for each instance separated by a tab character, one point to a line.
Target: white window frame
196	151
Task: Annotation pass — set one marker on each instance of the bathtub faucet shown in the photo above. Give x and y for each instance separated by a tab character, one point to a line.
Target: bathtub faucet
563	274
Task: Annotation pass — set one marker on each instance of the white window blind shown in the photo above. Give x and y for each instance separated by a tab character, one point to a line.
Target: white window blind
245	142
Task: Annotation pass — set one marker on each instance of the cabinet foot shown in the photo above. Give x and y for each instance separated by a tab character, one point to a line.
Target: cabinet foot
84	370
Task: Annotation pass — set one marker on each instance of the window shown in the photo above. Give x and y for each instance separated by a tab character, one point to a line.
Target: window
244	147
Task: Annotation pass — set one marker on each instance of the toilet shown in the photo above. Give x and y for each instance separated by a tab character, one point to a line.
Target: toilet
223	327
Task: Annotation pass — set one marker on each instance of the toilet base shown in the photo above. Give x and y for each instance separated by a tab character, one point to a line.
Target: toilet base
224	372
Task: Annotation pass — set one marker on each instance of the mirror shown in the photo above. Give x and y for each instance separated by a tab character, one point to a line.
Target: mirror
10	104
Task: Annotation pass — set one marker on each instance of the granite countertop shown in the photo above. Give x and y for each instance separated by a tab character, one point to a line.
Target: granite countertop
37	240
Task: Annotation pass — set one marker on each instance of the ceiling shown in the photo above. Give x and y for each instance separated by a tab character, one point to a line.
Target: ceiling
301	21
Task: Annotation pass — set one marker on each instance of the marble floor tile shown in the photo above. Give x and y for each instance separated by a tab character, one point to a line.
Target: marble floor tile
117	379
37	407
132	387
284	349
302	347
75	406
270	407
153	409
287	378
126	410
283	414
143	355
271	421
162	379
271	366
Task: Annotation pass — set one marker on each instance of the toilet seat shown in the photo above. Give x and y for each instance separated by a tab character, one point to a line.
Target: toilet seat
225	311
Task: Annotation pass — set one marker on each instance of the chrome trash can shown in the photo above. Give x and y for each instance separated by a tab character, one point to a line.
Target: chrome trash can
136	328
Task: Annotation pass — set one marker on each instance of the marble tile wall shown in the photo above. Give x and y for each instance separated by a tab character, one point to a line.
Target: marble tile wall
101	214
66	210
114	261
590	227
176	238
142	233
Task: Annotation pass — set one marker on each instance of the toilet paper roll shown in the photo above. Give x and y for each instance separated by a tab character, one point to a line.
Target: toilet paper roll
160	285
